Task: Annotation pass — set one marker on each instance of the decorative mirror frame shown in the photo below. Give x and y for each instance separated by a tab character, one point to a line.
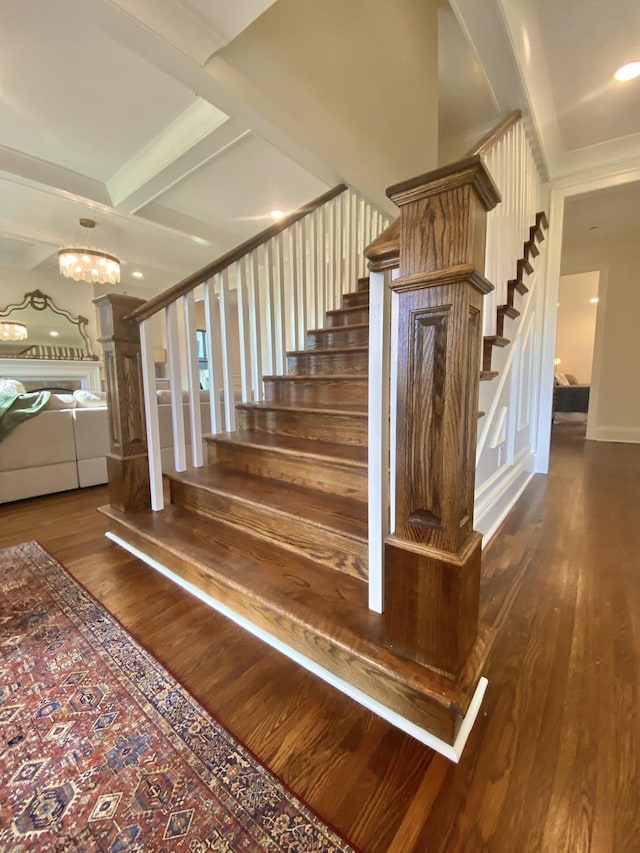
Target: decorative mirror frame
41	302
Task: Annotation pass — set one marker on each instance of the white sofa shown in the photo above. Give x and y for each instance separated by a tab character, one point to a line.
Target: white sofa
64	448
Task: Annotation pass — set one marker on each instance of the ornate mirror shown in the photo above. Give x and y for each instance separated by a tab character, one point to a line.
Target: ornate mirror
51	332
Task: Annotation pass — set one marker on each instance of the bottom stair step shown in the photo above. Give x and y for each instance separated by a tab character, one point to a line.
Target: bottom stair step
316	616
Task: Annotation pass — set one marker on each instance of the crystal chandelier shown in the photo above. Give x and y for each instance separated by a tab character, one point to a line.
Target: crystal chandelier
12	331
88	264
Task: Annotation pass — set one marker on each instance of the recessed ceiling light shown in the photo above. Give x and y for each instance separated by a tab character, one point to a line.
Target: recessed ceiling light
137	274
54	334
628	71
594	300
276	214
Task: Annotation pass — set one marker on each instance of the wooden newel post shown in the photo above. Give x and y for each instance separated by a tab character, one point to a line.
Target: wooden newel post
127	464
432	557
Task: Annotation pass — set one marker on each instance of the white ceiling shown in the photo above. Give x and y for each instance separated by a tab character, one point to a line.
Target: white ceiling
106	111
598	220
556	61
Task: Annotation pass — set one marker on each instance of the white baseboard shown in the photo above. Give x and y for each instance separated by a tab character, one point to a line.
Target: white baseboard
628	435
452	752
496	497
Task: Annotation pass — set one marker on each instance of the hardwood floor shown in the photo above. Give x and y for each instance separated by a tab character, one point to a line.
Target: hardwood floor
553	763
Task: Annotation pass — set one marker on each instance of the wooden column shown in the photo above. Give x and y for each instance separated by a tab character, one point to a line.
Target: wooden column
127	463
432	558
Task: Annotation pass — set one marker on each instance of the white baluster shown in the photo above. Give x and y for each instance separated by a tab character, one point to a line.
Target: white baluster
256	326
320	268
270	313
292	287
378	438
175	384
213	369
350	283
151	415
244	332
193	379
311	277
281	318
301	274
227	362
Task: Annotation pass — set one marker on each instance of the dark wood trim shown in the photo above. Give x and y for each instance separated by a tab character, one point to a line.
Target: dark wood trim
127	461
163	299
494	136
471	170
384	252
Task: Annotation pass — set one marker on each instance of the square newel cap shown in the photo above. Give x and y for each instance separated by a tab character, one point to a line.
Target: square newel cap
470	171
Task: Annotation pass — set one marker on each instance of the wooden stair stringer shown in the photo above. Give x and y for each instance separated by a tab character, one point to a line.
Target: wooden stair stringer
315	616
516	285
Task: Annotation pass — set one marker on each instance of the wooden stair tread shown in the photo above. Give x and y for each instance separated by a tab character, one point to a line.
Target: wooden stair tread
347	327
517	284
496	340
318	508
312	377
322	612
488	375
347	454
508	311
349	309
311	408
329	350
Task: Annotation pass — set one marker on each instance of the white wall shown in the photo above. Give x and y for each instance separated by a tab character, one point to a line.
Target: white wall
577	324
354	81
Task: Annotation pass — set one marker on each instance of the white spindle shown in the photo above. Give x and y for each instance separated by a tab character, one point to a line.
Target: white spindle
256	334
151	415
227	363
213	362
244	332
193	379
378	438
281	317
292	288
339	249
270	313
301	276
320	268
311	274
175	384
350	244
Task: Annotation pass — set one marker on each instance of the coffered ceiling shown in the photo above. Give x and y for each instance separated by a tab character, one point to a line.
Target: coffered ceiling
107	111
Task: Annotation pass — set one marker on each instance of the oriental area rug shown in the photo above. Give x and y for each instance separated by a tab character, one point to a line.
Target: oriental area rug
101	749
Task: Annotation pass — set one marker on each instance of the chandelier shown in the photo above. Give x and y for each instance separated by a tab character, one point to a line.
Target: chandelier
12	331
89	264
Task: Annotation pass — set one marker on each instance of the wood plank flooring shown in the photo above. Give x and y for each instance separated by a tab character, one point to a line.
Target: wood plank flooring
553	763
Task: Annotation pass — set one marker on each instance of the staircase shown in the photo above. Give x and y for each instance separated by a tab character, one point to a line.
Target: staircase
306	519
274	528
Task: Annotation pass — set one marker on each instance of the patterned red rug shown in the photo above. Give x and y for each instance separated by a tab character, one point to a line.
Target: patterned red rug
101	749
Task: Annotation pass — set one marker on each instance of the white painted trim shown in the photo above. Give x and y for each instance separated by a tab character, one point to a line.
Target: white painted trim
598	352
628	435
378	435
452	752
54	370
499	494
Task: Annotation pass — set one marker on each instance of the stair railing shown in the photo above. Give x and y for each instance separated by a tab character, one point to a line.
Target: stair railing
238	316
508	157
